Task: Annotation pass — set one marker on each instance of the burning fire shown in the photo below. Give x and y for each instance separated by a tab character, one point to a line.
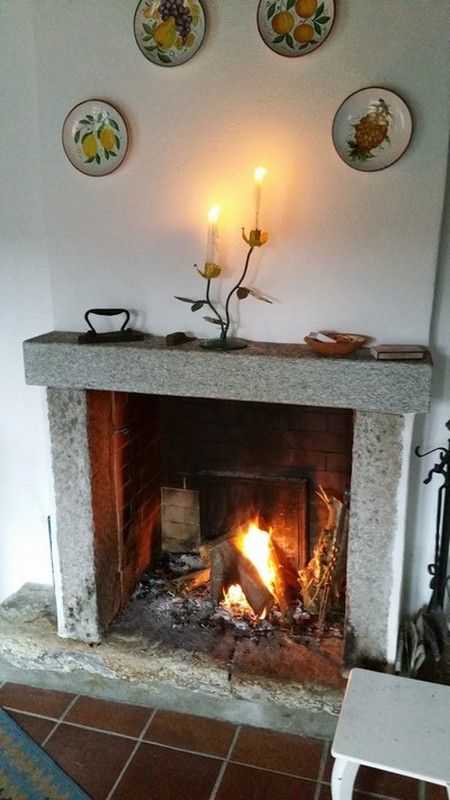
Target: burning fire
254	544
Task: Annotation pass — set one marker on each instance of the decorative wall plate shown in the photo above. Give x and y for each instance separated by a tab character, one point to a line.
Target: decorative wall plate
295	27
372	128
169	32
95	137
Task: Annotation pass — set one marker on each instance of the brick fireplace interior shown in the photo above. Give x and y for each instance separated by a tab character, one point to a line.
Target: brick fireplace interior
171	473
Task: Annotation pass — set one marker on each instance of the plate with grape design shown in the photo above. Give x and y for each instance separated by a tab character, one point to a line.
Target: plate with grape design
372	128
95	137
295	27
169	32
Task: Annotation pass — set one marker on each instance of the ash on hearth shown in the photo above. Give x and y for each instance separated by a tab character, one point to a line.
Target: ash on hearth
174	616
176	592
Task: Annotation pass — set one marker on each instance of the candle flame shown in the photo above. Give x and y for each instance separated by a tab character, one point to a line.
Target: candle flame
260	174
213	214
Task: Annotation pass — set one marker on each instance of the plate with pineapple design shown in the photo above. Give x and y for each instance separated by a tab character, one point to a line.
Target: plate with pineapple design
95	137
372	128
169	32
295	27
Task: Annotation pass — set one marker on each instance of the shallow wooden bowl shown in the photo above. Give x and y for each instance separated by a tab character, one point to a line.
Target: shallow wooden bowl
344	344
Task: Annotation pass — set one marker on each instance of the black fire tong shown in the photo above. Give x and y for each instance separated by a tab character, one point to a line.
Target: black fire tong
434	615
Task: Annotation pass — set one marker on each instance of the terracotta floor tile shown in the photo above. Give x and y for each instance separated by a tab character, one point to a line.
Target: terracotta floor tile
325	794
191	733
92	759
36	701
246	783
434	792
159	773
36	727
388	783
278	751
328	767
108	716
377	781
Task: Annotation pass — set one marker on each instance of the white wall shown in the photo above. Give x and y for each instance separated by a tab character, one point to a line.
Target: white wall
348	250
430	432
26	311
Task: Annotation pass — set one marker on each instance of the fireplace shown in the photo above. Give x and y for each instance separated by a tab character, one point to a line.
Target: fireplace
370	402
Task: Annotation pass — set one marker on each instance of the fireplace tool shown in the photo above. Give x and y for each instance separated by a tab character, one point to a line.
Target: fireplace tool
436	626
123	335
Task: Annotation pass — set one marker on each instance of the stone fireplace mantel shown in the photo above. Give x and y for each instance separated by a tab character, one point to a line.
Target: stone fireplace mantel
381	394
283	373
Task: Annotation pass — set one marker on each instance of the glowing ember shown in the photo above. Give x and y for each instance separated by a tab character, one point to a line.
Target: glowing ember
254	544
235	597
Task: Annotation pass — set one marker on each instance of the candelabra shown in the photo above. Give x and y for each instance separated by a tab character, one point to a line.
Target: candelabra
222	319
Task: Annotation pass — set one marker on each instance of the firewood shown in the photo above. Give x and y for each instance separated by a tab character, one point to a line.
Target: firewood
229	566
257	594
320	579
281	579
208	545
223	568
192	580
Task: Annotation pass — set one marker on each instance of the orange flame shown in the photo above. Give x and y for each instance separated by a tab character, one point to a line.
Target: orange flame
254	544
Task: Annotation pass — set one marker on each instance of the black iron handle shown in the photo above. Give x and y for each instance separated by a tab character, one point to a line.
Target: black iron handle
107	312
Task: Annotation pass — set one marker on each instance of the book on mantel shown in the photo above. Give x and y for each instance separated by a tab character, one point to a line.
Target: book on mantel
398	352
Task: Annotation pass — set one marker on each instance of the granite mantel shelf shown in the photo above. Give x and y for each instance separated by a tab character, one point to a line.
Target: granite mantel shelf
264	372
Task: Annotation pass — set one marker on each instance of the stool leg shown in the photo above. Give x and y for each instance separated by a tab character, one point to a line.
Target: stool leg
343	778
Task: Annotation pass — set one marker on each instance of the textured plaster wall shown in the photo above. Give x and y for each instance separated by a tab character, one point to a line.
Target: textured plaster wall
430	431
347	250
25	493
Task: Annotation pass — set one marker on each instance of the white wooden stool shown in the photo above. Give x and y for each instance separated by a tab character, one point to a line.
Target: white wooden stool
395	724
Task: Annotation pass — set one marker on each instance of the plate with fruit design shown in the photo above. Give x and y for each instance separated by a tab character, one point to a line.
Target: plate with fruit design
372	128
169	32
95	137
295	27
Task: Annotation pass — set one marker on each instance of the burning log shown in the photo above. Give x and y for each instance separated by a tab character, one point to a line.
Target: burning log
258	595
222	558
191	581
229	567
207	547
283	578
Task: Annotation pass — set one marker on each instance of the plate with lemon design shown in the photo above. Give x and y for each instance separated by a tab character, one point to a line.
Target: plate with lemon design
95	137
295	27
169	32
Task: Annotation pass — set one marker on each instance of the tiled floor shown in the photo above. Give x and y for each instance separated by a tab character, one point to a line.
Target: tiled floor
126	752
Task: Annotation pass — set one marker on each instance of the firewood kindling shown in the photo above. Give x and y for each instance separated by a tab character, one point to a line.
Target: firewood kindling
321	579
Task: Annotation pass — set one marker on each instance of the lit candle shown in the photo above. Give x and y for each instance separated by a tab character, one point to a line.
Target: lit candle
260	173
212	243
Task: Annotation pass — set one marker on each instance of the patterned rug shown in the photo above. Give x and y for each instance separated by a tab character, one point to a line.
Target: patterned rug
26	772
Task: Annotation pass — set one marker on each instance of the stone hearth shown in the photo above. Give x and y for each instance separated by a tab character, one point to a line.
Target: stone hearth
382	395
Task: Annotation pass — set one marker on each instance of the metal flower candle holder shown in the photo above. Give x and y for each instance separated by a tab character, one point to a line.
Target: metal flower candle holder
222	319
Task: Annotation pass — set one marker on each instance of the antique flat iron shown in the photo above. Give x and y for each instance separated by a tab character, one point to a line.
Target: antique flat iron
123	335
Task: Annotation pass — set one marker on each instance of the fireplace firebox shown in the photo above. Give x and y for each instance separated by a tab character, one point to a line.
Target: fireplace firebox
216	465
